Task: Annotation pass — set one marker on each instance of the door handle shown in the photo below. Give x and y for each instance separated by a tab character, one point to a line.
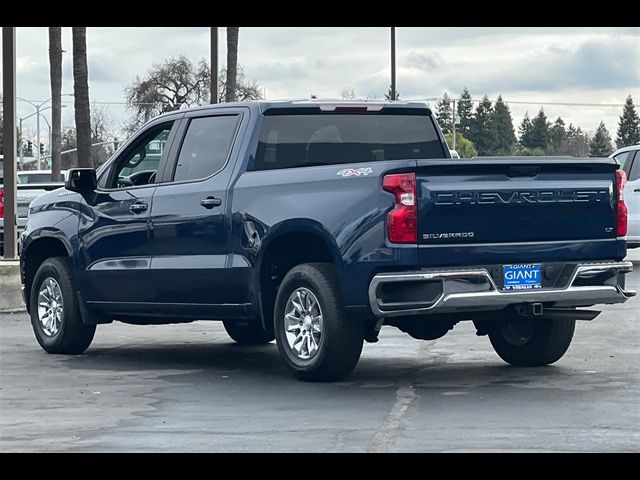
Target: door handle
211	202
637	190
138	207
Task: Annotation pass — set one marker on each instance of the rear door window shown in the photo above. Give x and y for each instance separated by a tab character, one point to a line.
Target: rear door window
634	172
625	160
291	141
206	147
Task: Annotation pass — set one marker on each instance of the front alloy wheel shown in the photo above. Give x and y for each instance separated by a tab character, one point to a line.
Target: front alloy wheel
50	306
55	314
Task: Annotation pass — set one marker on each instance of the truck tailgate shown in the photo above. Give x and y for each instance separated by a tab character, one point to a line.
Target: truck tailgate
489	205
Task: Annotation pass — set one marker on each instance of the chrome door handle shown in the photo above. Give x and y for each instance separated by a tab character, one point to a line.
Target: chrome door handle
138	207
211	202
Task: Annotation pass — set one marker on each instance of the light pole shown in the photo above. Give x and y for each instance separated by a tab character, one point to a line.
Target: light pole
393	63
38	107
37	112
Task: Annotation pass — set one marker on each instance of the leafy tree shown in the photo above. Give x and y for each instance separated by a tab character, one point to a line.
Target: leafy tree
232	63
600	145
483	132
503	126
176	82
557	136
81	95
444	114
388	95
464	146
465	113
530	152
539	134
629	125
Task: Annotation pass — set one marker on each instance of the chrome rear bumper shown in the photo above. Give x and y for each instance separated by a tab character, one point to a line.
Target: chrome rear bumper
475	290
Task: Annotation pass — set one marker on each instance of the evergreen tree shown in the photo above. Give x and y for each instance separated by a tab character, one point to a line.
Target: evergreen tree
539	134
503	127
483	133
557	136
387	95
524	130
576	142
465	113
600	145
445	114
629	125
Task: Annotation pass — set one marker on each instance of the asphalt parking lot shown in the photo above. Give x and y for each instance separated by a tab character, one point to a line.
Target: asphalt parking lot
190	388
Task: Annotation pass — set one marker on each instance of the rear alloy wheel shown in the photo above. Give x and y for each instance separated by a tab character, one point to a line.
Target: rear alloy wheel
316	339
527	342
303	323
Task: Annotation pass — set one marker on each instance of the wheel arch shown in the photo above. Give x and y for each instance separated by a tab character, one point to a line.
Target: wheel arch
41	245
288	244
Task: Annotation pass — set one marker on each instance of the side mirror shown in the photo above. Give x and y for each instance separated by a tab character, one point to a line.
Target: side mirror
81	180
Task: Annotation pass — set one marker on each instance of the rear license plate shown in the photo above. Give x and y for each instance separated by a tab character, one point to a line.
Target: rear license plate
521	276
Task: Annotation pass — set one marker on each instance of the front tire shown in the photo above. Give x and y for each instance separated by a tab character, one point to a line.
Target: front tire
247	333
531	342
55	316
315	338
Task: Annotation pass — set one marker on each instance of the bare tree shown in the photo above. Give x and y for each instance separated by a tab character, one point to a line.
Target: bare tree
81	93
166	87
176	82
232	63
55	73
245	89
102	130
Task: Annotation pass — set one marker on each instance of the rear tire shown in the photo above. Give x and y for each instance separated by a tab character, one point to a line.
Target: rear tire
247	332
530	342
55	316
317	342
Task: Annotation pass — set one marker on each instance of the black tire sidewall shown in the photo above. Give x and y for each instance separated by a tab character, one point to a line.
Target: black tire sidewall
249	332
289	285
51	268
549	342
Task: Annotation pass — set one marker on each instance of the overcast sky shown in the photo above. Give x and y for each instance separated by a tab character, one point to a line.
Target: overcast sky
553	64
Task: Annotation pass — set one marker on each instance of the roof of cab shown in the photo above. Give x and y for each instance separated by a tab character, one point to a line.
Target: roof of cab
329	104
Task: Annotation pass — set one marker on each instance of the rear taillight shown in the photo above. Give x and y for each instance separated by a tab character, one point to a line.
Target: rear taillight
402	221
621	215
1	202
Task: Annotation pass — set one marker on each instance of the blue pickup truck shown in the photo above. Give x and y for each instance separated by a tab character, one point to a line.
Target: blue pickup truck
317	222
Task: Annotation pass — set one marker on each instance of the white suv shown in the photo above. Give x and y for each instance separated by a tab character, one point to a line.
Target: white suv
629	160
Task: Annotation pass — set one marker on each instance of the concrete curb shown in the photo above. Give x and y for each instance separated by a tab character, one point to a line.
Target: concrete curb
10	289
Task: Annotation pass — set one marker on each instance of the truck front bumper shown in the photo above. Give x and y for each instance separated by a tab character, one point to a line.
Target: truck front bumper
473	290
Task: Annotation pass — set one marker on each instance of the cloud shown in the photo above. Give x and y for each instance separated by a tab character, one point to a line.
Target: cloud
605	63
585	64
423	61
